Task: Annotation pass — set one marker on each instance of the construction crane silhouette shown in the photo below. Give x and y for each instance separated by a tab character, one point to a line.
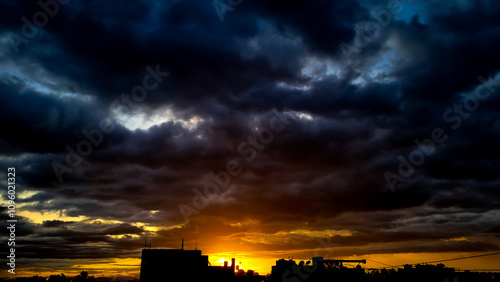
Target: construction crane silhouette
339	262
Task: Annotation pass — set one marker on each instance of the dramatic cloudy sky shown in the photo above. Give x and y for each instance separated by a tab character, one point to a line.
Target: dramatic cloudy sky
346	87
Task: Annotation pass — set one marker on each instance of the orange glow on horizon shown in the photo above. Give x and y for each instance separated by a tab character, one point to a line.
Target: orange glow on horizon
260	262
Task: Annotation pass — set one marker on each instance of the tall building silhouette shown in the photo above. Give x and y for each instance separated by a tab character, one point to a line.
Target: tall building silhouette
182	265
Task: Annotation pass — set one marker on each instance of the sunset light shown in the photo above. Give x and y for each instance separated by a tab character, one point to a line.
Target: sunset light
250	140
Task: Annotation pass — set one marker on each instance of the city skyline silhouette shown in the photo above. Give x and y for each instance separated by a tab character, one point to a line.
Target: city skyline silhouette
274	132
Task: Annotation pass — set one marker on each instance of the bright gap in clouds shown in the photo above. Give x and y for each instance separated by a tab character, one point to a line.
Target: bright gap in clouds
381	67
35	78
314	69
300	115
318	68
143	120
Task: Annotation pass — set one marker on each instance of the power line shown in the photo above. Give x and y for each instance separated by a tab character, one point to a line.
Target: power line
485	270
350	265
476	256
380	262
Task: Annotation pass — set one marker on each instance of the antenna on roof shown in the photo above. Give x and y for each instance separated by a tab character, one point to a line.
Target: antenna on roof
182	247
196	247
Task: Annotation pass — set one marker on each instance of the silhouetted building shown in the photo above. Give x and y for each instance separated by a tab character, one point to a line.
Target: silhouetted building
319	270
427	272
165	265
172	265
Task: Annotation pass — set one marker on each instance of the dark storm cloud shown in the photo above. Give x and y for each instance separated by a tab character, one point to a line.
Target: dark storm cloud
347	124
56	223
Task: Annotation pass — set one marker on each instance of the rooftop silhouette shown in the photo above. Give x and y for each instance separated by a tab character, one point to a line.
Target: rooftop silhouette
192	266
187	265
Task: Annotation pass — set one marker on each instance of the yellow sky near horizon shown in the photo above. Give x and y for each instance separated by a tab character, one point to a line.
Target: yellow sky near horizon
131	266
219	250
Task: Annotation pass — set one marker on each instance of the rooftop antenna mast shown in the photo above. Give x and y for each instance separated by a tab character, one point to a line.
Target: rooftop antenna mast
182	247
147	243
